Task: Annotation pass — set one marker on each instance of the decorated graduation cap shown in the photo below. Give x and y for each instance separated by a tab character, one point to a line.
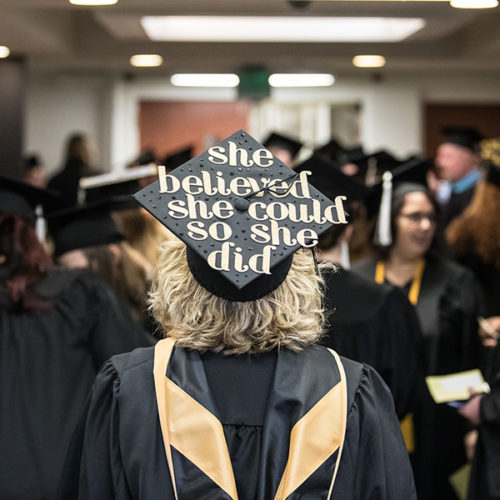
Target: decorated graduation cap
409	177
116	184
83	227
467	137
242	214
23	199
280	141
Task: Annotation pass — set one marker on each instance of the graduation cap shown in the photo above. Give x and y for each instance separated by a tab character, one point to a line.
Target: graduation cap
467	137
176	159
242	214
116	184
370	166
23	199
82	227
332	150
280	141
408	177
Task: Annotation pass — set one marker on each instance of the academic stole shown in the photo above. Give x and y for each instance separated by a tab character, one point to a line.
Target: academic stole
407	426
193	431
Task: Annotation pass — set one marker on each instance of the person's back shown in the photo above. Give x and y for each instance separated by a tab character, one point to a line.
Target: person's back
50	359
375	324
237	401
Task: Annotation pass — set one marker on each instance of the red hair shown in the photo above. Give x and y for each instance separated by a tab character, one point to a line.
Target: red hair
24	262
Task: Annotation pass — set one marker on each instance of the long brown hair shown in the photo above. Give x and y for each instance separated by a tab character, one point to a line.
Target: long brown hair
477	230
24	262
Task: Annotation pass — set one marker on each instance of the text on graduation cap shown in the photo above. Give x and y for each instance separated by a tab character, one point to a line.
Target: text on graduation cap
279	209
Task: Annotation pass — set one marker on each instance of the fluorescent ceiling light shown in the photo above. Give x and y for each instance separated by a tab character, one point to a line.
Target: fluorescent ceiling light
301	80
474	4
279	29
146	60
93	2
4	51
205	80
369	61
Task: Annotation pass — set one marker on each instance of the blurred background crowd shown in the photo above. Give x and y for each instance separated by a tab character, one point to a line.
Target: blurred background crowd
410	137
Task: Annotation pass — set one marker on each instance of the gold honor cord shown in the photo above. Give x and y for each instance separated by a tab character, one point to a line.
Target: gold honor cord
407	427
315	437
190	428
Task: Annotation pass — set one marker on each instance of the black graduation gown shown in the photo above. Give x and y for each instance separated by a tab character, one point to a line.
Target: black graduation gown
456	205
448	306
485	476
377	325
118	452
49	360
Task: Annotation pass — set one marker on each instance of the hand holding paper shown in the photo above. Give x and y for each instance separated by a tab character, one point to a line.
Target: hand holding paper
456	386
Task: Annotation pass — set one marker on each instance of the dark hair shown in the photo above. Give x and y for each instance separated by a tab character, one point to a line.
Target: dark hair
398	201
24	263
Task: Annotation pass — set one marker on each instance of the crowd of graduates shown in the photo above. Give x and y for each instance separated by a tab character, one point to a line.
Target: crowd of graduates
416	266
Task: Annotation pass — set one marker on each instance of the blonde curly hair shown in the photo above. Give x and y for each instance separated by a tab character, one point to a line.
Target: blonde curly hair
290	317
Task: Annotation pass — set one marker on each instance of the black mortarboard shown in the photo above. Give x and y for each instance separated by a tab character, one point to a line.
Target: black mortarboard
332	150
174	160
242	214
82	227
276	140
467	137
331	181
21	198
124	183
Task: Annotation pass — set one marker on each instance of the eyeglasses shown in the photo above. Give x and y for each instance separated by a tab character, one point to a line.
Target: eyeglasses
418	217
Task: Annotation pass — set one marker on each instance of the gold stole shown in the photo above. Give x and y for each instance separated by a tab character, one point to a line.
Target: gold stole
407	427
198	435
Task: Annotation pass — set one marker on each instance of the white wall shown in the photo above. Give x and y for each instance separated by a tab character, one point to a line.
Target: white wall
59	106
107	109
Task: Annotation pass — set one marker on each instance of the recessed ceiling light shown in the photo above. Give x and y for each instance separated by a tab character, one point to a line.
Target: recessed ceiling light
301	80
4	51
474	4
205	80
146	60
369	61
93	2
279	29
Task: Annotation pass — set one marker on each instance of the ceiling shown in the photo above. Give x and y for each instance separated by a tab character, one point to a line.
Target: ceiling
56	36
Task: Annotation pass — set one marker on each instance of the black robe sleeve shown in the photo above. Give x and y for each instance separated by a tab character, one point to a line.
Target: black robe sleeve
94	467
375	463
485	478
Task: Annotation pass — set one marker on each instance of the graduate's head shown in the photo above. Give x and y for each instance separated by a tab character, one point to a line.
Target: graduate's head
243	216
24	261
290	316
476	231
283	147
414	213
458	154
